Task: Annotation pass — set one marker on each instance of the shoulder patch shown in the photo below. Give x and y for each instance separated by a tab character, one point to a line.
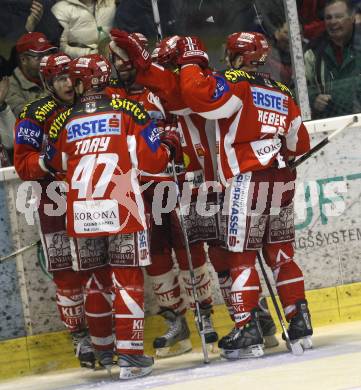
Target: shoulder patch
221	87
237	75
58	123
132	108
28	132
151	136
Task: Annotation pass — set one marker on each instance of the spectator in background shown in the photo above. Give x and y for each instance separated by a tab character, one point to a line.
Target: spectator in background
137	16
85	22
358	13
271	16
213	17
271	21
333	64
25	84
22	16
310	13
279	63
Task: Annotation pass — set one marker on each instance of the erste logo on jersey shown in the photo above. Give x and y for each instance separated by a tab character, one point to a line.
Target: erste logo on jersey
28	133
97	125
270	100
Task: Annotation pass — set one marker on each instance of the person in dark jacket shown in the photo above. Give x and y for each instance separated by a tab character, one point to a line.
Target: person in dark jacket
333	64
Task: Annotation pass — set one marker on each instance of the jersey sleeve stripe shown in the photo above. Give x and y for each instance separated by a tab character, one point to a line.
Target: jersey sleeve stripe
225	110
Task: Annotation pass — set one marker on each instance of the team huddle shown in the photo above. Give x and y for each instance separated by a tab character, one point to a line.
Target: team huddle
165	142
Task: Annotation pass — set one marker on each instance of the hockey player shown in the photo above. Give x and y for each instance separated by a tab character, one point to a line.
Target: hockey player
31	132
101	143
201	146
259	128
165	83
167	235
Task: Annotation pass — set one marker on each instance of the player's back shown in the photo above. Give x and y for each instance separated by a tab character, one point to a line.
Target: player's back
100	143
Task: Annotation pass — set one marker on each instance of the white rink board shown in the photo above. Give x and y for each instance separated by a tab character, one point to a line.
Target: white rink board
328	224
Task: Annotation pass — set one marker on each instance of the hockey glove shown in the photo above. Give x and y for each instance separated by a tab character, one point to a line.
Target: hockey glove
172	140
191	50
131	43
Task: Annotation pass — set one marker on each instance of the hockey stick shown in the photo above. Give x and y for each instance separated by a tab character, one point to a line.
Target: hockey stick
321	144
199	318
17	252
295	348
156	18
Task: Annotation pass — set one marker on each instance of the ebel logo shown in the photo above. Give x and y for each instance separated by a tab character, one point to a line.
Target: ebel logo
96	125
270	100
90	107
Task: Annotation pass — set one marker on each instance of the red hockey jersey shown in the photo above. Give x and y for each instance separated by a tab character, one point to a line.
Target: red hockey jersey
102	143
252	112
197	133
155	110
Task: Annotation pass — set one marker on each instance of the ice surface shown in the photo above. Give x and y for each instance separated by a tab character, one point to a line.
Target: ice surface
334	363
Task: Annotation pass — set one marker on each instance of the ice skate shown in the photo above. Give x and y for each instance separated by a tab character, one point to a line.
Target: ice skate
83	348
134	366
210	335
267	325
105	359
176	340
300	329
244	342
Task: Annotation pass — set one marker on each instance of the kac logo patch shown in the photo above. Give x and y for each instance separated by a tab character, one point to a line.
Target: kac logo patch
221	88
151	136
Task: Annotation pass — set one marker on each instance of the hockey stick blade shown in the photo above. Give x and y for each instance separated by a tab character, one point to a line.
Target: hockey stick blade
321	144
296	348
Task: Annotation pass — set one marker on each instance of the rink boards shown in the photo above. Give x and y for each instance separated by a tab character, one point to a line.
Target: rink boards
53	351
328	249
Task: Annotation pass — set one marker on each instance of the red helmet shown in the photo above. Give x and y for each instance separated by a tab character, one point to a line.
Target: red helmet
52	66
93	70
167	53
252	46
